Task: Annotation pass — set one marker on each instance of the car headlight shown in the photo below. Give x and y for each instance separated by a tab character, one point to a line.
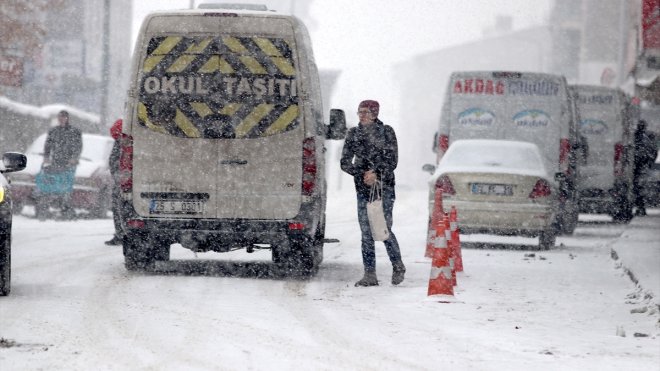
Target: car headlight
2	194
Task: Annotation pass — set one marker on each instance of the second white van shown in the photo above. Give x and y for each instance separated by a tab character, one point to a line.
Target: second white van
607	121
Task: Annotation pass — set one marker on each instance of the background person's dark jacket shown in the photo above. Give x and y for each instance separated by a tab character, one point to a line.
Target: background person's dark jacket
378	152
63	144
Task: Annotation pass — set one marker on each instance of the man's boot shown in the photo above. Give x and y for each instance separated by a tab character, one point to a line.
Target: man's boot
398	273
369	279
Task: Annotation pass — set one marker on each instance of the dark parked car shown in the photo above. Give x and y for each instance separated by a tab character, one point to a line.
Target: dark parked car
92	188
11	161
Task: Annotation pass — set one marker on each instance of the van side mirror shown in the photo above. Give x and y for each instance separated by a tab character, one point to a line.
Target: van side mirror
13	161
337	128
560	177
428	168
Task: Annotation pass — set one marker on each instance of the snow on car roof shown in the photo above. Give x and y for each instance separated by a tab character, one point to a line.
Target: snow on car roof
493	156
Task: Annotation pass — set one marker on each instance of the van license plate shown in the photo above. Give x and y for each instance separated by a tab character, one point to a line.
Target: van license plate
176	207
492	189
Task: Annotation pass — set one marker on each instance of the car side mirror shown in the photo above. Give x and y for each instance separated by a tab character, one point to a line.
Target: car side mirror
560	177
337	128
13	161
428	168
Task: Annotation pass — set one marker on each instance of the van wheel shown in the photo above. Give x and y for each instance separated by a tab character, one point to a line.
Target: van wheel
142	250
5	265
547	239
623	211
297	257
568	220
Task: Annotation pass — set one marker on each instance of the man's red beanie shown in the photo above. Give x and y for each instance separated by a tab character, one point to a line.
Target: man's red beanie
115	130
371	105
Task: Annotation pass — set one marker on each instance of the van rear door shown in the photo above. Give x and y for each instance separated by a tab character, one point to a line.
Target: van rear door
601	123
510	105
219	118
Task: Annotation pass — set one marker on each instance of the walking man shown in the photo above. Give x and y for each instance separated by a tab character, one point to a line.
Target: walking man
370	154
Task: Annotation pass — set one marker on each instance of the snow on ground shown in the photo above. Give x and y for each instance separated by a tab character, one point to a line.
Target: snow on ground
73	305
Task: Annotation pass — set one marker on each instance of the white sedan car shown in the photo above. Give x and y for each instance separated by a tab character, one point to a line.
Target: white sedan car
92	188
499	187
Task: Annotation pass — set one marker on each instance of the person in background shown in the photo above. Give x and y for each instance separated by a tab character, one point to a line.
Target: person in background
61	155
113	162
645	153
370	154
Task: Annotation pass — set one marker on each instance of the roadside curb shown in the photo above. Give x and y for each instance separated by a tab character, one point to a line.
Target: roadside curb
637	253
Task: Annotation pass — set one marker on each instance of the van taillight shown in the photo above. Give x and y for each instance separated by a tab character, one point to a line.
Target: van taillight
618	159
309	167
126	163
541	189
444	186
564	150
443	143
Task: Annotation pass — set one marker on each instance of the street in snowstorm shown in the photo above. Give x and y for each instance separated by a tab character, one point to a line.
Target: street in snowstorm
74	306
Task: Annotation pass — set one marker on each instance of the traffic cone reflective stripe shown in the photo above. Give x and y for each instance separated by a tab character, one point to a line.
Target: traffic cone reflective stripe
456	239
450	246
440	281
436	216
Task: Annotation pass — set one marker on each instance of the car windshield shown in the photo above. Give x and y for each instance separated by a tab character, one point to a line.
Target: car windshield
493	153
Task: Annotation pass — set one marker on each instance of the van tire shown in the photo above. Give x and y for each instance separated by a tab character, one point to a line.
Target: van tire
622	212
568	218
297	257
547	239
142	250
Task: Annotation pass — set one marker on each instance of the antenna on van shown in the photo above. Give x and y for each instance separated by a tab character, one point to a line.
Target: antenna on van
233	6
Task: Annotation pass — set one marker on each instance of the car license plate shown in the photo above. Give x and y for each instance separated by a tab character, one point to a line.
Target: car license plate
492	189
176	207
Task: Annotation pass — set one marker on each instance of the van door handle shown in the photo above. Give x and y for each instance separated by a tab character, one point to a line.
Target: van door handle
233	161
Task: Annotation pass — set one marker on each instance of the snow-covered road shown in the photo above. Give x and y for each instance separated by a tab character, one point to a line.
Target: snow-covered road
73	306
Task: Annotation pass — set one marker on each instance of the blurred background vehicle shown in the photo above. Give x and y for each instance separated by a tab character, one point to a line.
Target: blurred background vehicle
92	189
11	161
650	184
607	120
500	187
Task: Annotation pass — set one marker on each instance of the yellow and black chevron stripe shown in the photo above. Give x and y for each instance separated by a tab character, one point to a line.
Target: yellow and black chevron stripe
227	55
214	114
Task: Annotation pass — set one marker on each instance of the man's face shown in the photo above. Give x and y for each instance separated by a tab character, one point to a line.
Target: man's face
62	119
365	116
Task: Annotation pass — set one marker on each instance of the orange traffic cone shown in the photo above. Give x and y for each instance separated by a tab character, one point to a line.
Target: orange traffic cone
450	246
456	240
436	216
440	283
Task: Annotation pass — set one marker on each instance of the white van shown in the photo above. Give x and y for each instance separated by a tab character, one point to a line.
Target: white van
223	139
607	121
520	106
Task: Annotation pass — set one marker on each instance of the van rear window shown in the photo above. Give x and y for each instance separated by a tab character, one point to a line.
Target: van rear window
218	87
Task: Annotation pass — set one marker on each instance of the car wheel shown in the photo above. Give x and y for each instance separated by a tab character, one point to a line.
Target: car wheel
17	207
547	239
142	250
100	210
5	265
